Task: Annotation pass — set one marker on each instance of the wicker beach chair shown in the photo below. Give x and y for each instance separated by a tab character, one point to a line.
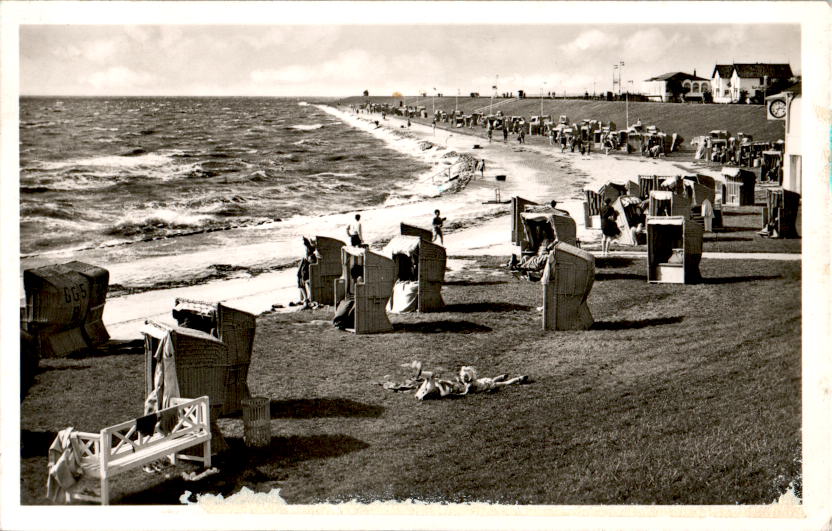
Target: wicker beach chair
371	291
235	329
64	307
328	268
567	281
674	249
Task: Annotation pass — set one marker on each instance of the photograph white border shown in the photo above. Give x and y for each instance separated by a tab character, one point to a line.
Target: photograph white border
814	513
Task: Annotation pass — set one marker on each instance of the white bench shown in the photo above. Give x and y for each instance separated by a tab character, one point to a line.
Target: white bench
121	447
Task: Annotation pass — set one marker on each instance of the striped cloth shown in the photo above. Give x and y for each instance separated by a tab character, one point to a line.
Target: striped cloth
594	200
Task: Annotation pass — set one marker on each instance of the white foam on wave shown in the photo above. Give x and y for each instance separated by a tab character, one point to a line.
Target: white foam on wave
302	127
111	161
302	103
167	217
333	174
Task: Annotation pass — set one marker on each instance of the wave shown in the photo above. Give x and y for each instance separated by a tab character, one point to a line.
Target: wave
333	174
155	221
302	103
134	159
35	125
302	127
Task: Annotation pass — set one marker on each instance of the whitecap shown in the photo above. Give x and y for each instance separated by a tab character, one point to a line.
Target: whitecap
302	127
334	174
110	161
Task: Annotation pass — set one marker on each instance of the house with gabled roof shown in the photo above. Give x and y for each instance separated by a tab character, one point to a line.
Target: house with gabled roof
673	86
729	81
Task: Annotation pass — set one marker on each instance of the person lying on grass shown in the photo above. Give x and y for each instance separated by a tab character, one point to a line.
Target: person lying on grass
431	386
466	382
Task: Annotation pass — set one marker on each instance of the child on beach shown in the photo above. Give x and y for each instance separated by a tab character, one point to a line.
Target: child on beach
482	168
354	232
437	227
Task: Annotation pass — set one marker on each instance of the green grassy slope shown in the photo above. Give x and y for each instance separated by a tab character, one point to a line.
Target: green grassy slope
686	119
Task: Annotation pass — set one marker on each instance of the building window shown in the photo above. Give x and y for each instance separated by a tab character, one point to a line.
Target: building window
695	87
726	92
704	86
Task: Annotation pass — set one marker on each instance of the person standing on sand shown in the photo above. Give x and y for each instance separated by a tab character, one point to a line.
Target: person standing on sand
434	126
489	132
355	233
482	168
505	134
609	228
437	227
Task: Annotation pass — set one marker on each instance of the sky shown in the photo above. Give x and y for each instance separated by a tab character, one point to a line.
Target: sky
344	60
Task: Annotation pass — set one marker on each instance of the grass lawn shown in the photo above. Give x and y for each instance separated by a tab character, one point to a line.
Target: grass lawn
686	119
679	394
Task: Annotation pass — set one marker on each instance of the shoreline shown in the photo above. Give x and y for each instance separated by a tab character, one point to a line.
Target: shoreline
261	272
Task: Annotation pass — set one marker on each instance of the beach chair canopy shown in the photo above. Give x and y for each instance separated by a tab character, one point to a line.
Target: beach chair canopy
549	225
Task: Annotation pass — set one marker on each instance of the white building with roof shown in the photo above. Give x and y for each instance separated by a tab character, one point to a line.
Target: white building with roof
666	87
730	81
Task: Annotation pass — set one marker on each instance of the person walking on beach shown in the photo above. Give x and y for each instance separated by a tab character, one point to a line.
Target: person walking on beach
482	169
434	126
355	233
505	134
489	132
437	227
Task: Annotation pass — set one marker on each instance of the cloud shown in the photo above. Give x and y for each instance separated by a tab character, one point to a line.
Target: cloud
289	74
652	44
119	77
730	35
590	40
348	66
100	50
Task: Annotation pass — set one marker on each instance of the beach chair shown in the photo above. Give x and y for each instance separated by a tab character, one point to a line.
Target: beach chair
567	281
419	232
546	223
213	345
64	307
429	260
368	278
326	270
737	186
674	249
518	206
781	208
627	219
668	203
592	209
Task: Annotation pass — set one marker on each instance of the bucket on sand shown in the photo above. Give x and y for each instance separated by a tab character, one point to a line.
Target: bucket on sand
256	422
500	177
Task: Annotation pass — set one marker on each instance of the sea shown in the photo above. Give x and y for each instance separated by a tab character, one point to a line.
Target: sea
109	172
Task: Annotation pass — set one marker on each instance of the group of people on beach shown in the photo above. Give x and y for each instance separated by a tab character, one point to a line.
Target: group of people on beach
355	233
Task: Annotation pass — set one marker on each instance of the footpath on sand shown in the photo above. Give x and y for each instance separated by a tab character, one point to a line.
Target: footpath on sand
536	172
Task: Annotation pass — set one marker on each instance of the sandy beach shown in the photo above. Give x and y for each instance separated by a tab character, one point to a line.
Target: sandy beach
261	275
